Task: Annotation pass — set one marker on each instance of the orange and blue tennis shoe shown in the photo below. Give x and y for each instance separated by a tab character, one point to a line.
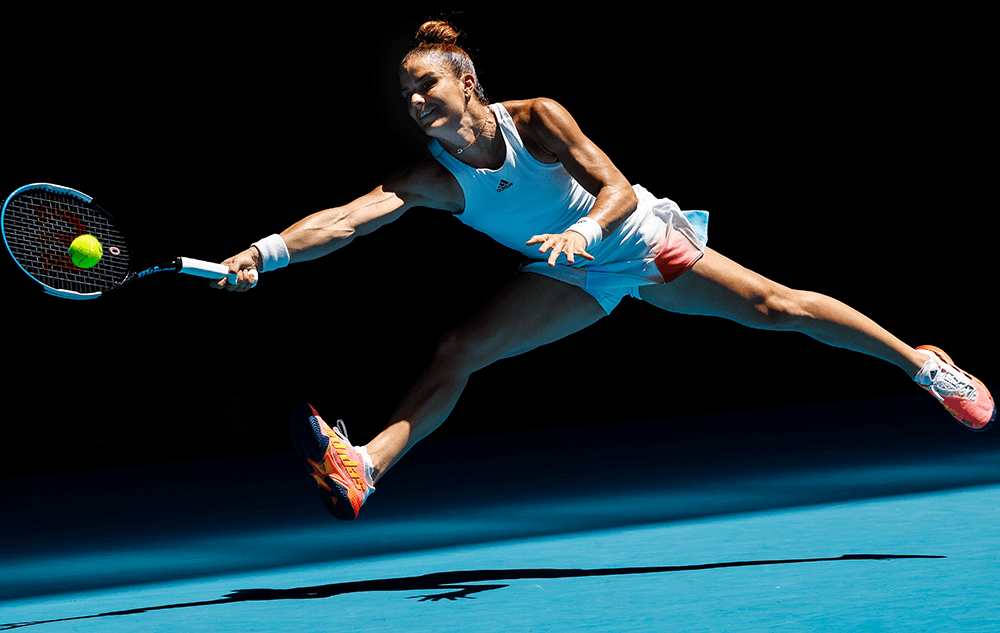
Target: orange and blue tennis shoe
966	398
340	469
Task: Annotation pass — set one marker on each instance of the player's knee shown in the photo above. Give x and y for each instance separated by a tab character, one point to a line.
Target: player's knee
462	352
780	308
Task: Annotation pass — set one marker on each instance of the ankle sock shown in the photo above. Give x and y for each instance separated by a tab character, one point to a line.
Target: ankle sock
929	371
369	466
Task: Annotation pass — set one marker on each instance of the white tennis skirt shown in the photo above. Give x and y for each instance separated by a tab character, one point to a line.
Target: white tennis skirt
670	242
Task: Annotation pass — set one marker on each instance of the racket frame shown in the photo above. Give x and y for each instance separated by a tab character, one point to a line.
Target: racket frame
184	265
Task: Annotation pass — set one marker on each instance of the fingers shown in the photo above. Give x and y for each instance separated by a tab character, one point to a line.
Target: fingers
222	284
568	244
244	267
245	280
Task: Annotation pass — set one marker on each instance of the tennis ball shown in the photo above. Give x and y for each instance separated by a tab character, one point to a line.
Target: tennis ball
85	251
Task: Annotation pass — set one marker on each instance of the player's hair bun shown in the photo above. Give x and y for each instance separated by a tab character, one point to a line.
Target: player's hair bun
437	32
439	39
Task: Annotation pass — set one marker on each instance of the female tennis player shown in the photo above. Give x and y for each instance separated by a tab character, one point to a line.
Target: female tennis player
524	173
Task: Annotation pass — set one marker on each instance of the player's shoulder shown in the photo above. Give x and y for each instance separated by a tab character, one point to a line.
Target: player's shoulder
538	111
427	184
544	125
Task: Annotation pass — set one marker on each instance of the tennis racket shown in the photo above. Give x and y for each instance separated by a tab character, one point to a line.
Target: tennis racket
40	221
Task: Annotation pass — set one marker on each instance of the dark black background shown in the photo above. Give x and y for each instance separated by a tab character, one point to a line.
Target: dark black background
837	151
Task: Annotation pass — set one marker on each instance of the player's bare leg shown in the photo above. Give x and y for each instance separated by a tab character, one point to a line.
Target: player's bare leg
718	286
532	311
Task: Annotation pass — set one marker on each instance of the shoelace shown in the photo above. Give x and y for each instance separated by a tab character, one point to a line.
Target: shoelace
342	428
948	384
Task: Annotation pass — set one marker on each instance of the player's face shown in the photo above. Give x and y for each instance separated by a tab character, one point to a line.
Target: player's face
435	98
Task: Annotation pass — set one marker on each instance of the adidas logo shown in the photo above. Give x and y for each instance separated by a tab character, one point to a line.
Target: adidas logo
504	185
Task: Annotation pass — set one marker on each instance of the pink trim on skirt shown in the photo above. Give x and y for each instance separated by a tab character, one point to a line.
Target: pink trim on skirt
676	256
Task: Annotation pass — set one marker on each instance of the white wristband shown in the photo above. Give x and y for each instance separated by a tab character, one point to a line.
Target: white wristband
273	253
590	229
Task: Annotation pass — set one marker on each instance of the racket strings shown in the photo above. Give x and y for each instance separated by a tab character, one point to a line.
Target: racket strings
40	224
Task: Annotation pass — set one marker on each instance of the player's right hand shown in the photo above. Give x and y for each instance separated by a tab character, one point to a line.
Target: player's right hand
241	264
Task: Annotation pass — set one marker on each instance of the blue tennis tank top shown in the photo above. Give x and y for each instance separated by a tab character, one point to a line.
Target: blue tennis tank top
527	197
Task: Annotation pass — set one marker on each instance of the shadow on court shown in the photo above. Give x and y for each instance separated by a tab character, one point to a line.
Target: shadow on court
455	585
103	529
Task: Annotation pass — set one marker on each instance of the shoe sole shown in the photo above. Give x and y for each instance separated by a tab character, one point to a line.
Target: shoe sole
944	356
308	438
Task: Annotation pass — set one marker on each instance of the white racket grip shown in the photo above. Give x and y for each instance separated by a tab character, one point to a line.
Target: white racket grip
210	270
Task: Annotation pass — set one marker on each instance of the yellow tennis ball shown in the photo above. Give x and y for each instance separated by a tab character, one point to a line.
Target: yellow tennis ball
85	251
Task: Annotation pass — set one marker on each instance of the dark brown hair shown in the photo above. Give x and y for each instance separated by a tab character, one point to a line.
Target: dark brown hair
439	39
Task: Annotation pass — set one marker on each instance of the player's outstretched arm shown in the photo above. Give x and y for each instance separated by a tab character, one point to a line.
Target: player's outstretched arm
326	231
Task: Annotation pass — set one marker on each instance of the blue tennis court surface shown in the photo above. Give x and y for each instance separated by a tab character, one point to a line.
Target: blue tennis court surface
611	528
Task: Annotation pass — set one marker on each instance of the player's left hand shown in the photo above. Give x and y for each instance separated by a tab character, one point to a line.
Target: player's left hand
569	244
